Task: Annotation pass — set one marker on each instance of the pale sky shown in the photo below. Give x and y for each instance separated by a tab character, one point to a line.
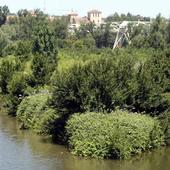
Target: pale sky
144	7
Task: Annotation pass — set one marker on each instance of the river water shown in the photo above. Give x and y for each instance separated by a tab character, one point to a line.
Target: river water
24	150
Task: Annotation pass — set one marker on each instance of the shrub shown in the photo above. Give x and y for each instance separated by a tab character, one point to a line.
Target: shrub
150	80
116	135
34	113
102	84
97	85
83	88
17	84
45	54
20	48
165	124
16	89
8	66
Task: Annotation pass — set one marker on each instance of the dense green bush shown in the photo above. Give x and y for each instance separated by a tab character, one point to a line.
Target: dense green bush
17	84
116	135
165	124
34	113
94	86
45	54
8	66
83	88
106	83
22	49
39	68
148	93
16	89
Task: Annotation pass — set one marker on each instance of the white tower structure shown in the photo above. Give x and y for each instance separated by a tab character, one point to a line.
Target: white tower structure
95	17
122	34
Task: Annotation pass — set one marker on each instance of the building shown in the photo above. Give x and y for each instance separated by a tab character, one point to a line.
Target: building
95	17
74	19
10	18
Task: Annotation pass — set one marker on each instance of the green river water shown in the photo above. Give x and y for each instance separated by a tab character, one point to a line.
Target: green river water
24	150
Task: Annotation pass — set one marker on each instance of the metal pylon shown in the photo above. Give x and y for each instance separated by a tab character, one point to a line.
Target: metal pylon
122	35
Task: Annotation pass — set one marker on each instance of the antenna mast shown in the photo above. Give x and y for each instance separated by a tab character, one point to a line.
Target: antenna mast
44	8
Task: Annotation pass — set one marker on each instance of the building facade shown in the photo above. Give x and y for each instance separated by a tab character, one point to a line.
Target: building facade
95	17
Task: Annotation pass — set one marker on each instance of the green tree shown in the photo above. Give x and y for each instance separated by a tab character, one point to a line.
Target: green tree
157	38
28	23
4	41
45	54
7	69
104	37
60	27
16	89
4	11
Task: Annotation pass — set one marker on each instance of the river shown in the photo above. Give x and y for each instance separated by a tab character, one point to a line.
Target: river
24	150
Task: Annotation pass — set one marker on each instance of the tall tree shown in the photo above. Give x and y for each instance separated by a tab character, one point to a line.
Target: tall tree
4	11
158	33
45	54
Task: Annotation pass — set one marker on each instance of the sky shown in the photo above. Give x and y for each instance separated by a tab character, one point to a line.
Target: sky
59	7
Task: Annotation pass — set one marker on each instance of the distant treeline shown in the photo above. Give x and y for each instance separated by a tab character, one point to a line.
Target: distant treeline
126	17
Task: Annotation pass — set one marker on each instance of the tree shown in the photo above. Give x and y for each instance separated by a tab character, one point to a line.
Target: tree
45	54
29	22
7	69
40	69
4	41
23	13
4	11
168	32
60	27
104	37
16	89
157	38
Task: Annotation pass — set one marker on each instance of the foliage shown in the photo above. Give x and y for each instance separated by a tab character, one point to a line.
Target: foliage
103	35
16	89
117	135
4	11
40	69
165	124
17	84
22	49
44	43
83	87
106	83
45	55
61	27
87	76
7	68
4	41
34	113
28	23
151	82
125	17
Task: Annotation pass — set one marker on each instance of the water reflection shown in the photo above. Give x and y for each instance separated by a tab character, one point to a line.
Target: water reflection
24	150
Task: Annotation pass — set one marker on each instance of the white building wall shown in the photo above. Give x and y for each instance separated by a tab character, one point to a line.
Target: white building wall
95	17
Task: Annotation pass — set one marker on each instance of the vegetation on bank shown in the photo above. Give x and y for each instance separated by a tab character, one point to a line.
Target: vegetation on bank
70	85
116	135
35	114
